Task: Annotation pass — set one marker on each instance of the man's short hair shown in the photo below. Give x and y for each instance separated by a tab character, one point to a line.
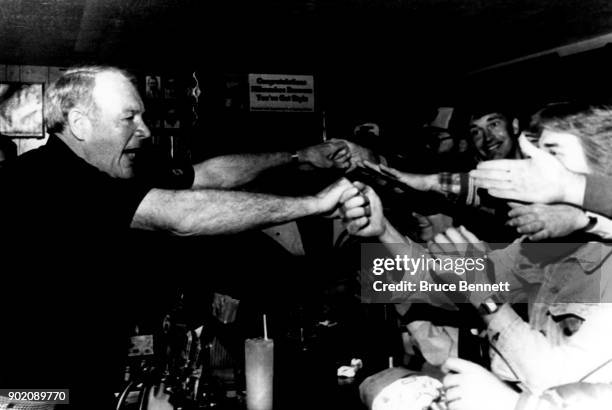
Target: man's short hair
73	88
8	148
479	110
591	124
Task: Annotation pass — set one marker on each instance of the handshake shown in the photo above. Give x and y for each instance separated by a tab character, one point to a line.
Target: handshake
337	153
356	204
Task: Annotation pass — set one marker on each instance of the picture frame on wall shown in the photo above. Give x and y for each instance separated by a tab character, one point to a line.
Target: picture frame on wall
21	109
170	88
153	86
171	118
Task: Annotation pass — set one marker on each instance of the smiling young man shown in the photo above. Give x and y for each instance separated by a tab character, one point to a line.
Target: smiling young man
68	207
494	134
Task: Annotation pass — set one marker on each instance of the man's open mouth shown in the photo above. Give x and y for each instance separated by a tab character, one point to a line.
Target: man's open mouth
130	153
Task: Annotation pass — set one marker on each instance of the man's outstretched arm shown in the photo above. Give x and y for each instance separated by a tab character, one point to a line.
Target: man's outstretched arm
213	212
231	171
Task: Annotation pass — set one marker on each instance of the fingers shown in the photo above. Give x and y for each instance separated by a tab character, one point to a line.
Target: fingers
390	171
442	244
441	239
341	155
497	164
513	204
357	224
528	149
356	201
469	236
455	236
453	393
421	219
355	213
505	193
349	193
530	228
492	183
520	209
540	236
518	219
360	186
491	174
451	379
370	165
344	182
345	164
525	220
336	145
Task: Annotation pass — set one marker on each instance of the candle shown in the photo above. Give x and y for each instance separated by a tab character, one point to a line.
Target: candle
259	369
324	128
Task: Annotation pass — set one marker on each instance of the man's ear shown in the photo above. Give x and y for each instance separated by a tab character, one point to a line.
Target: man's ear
79	123
515	126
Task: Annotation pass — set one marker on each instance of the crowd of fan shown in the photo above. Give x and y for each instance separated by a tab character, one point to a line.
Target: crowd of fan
483	179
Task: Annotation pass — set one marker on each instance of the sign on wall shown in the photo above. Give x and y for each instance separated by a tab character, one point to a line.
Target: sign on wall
281	92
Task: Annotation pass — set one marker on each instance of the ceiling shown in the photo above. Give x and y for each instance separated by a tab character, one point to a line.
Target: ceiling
448	35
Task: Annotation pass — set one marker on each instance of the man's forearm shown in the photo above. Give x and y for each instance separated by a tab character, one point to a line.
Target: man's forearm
212	212
230	171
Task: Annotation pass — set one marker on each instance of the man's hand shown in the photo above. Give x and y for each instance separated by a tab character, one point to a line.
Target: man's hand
362	214
328	200
159	399
461	244
330	154
541	178
471	387
358	154
456	241
414	181
540	221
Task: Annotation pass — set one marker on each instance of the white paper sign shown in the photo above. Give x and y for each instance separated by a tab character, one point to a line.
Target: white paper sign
281	92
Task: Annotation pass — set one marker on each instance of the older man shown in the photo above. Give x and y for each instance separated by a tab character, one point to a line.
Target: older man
70	204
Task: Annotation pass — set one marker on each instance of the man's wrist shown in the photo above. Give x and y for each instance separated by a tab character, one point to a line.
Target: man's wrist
315	205
574	189
298	157
585	222
390	234
432	182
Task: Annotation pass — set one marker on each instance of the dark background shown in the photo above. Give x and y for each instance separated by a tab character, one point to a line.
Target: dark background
386	60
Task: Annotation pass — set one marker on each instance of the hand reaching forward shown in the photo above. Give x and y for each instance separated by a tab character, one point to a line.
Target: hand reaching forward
540	221
540	178
471	387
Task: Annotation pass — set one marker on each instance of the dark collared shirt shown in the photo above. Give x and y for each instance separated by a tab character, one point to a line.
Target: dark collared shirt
68	264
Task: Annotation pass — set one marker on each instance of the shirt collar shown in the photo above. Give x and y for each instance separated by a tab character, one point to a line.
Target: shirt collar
591	256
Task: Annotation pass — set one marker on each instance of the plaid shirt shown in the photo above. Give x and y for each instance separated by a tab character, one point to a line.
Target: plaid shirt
459	187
